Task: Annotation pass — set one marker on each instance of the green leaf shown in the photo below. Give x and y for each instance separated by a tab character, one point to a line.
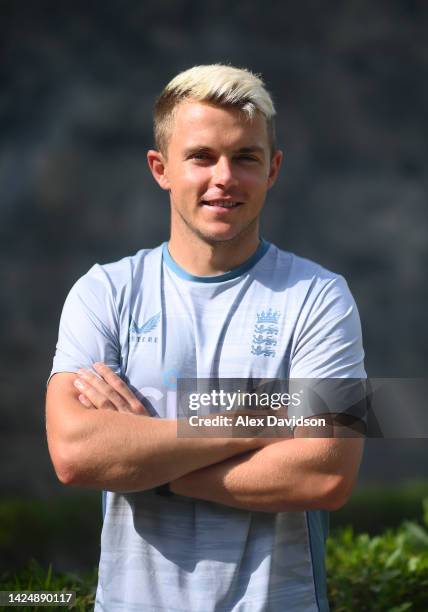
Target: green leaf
413	564
48	578
402	607
417	532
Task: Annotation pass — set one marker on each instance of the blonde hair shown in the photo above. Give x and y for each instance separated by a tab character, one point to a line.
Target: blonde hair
219	84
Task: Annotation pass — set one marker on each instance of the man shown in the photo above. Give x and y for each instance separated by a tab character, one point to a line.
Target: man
245	525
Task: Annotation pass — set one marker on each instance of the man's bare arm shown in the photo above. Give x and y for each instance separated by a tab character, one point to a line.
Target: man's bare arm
293	474
122	451
289	475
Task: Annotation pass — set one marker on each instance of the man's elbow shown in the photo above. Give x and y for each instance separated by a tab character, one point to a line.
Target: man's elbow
67	461
326	492
336	492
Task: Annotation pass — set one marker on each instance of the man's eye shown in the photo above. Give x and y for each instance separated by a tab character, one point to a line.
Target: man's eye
249	158
200	156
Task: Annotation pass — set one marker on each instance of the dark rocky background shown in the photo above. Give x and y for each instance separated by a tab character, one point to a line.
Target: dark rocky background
78	81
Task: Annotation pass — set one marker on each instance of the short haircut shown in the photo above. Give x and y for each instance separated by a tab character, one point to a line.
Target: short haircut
220	85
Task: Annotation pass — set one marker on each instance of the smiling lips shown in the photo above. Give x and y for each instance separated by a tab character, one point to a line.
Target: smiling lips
221	204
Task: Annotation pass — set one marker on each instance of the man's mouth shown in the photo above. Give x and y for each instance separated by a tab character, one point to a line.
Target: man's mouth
221	203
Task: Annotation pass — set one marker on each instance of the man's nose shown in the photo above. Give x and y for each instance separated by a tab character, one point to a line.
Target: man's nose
223	175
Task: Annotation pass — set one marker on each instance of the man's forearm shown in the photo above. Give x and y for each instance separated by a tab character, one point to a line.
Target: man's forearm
124	452
290	475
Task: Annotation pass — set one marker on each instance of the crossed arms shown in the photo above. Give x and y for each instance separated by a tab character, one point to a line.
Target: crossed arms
105	440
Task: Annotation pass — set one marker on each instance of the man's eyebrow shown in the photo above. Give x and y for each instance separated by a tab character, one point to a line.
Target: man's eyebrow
253	149
205	149
197	149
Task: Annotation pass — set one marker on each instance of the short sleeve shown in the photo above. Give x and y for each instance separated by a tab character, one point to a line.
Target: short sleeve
327	364
88	330
328	340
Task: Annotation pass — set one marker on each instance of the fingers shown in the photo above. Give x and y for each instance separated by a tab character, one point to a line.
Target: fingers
106	391
84	400
90	393
121	388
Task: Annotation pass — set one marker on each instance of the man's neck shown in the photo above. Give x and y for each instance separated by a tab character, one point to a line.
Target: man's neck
205	259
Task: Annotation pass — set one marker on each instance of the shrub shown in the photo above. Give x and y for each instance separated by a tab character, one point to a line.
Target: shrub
387	572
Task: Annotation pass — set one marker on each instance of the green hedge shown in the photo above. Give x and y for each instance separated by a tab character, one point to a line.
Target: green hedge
384	573
388	572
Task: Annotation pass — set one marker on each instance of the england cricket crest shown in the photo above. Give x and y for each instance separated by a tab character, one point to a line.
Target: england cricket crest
265	337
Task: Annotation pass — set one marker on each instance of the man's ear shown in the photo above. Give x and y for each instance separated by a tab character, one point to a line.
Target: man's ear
157	166
275	165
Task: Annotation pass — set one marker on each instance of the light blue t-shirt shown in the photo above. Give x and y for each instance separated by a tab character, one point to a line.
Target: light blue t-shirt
152	322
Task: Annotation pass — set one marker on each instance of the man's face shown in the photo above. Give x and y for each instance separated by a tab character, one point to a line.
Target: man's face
218	170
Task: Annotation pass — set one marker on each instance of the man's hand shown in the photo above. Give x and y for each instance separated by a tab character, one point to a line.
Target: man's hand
106	391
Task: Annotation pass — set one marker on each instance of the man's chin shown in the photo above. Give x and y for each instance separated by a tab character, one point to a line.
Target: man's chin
227	234
218	238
